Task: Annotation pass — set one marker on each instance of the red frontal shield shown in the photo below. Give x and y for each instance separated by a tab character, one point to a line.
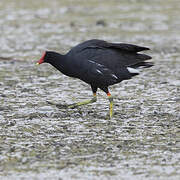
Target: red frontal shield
42	59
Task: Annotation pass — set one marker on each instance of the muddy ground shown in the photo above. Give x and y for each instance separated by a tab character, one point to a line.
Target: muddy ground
40	141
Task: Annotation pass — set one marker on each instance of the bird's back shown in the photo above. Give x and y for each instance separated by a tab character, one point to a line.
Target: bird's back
114	56
110	54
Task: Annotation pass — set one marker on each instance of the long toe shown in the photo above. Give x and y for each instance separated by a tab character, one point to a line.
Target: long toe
60	106
72	106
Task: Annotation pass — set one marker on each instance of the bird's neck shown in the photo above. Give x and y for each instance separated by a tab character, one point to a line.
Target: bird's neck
60	62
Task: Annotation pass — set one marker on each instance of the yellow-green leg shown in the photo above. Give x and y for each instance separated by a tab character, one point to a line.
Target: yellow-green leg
94	99
110	105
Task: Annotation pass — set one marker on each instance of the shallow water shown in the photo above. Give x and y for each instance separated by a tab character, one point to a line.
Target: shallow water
40	141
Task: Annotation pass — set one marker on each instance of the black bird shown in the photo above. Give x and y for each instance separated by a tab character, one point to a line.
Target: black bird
100	64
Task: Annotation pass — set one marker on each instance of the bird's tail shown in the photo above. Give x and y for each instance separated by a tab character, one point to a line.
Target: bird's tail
142	65
141	61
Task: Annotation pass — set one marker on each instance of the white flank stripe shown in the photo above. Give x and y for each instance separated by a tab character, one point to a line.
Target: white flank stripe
132	70
99	71
114	76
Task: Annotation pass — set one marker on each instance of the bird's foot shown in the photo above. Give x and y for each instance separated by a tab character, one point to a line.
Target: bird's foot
75	105
72	106
60	106
65	106
109	116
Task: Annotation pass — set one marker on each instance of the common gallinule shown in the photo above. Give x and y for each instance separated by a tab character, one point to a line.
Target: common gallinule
100	64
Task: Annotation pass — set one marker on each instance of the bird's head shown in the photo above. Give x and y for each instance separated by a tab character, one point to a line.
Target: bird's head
47	57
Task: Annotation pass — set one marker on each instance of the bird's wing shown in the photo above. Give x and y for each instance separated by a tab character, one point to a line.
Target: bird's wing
126	47
95	43
112	54
97	74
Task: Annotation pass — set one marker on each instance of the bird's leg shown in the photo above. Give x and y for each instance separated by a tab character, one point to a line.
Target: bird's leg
74	105
110	105
94	99
105	89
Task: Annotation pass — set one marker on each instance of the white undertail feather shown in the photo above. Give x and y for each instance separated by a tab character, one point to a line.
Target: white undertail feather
132	70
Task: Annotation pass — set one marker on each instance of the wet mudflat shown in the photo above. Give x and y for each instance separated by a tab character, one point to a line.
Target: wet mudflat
40	141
